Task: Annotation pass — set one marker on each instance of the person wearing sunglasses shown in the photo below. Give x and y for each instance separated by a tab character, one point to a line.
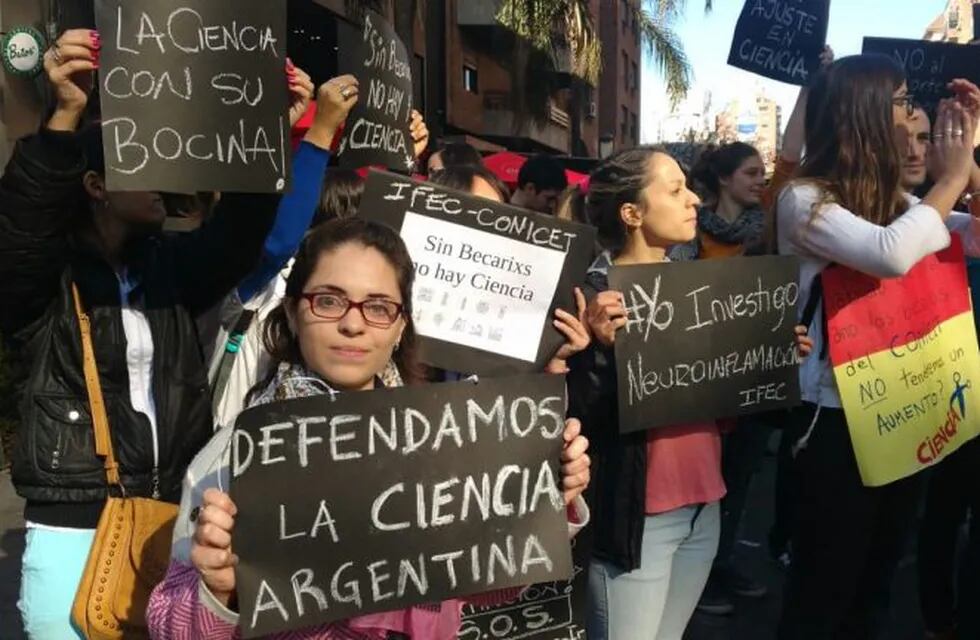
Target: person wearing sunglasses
346	315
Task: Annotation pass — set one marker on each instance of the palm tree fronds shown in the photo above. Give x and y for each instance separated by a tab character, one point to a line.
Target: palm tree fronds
668	53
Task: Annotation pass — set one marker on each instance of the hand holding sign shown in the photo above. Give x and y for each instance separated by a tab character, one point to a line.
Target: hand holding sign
211	552
576	331
575	462
420	133
69	64
967	94
335	98
301	89
606	315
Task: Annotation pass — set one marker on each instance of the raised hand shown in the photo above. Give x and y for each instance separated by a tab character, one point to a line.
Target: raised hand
301	91
69	64
334	100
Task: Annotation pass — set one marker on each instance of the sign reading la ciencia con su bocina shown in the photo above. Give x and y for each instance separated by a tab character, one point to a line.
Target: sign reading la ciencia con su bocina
377	131
488	276
781	39
194	95
706	339
380	500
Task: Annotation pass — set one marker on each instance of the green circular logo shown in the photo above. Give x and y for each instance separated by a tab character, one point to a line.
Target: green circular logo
22	51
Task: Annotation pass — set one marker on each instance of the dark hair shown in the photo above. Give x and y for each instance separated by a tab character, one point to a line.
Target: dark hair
90	138
717	163
461	177
617	181
852	153
339	196
277	338
455	154
544	172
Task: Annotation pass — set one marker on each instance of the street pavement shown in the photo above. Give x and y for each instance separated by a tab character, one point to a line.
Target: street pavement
754	619
11	549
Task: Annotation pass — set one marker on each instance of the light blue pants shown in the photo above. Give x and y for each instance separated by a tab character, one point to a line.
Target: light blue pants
656	601
52	568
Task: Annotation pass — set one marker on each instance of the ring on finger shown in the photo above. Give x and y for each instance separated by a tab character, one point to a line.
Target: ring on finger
957	133
346	91
56	54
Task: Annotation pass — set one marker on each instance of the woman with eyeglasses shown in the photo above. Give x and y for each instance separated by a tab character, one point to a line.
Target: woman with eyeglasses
346	315
848	207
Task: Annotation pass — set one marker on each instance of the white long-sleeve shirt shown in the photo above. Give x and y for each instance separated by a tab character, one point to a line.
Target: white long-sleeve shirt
834	235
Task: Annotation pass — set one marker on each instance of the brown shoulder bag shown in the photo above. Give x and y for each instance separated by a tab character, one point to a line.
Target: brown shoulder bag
131	550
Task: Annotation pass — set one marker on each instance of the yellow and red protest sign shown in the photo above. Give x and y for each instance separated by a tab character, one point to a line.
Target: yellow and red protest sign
906	362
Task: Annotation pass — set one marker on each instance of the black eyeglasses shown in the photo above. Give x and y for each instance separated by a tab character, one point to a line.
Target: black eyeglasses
377	312
908	100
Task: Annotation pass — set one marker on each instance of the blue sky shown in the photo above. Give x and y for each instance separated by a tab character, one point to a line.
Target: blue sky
707	39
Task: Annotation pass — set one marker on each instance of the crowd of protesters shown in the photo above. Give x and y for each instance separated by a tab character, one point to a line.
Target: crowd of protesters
259	298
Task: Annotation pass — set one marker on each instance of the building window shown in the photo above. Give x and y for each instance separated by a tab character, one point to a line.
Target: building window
470	79
626	71
636	77
634	128
623	122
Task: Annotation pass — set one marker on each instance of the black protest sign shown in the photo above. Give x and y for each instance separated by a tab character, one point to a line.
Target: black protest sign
781	39
929	66
194	95
488	276
706	339
546	611
377	131
380	500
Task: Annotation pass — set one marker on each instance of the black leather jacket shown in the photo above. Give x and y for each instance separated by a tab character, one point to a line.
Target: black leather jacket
617	492
54	465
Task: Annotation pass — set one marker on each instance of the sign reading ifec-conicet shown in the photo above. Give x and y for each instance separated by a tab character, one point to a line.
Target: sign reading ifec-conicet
906	362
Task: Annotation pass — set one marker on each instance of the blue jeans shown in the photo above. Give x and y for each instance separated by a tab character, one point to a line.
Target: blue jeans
655	601
51	570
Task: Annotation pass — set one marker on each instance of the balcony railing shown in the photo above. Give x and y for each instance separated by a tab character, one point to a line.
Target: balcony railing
499	120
